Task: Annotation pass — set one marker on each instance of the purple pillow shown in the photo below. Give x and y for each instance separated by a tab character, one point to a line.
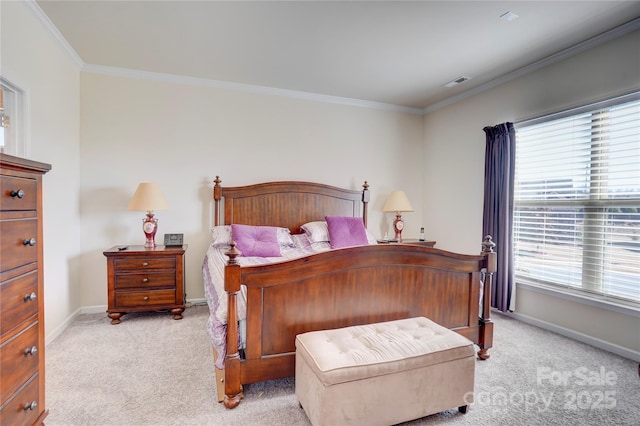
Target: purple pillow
258	241
346	231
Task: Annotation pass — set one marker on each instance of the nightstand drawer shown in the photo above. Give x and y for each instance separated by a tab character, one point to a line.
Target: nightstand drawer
19	359
18	300
138	263
141	299
162	279
19	243
23	408
25	193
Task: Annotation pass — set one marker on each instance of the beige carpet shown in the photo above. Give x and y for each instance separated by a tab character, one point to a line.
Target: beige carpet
153	370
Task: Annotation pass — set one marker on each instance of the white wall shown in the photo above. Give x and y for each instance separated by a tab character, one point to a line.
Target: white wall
454	169
33	60
182	136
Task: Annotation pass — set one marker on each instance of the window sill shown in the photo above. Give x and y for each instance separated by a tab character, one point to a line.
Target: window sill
621	306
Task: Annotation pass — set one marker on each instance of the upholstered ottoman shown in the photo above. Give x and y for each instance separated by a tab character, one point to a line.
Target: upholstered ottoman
384	373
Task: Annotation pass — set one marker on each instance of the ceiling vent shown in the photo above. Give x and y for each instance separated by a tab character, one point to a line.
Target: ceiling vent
457	81
509	16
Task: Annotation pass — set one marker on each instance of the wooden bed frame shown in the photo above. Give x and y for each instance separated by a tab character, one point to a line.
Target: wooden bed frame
338	288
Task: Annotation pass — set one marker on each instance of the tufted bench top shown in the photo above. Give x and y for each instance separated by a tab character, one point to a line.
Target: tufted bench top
365	351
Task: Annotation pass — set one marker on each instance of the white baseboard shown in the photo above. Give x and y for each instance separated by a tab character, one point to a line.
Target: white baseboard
581	337
58	331
197	302
94	309
97	310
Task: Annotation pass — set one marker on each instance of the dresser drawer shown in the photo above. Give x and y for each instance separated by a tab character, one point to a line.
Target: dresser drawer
25	193
23	408
18	300
138	263
144	299
19	360
14	251
160	279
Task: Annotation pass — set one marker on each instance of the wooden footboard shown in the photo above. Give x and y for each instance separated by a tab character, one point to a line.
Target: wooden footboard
350	286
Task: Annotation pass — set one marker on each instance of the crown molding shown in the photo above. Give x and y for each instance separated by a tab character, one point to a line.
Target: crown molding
37	11
241	87
557	57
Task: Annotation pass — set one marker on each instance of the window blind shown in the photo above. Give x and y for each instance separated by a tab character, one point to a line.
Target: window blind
577	199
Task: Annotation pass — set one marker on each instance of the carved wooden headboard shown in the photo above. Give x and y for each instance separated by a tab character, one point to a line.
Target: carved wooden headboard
287	204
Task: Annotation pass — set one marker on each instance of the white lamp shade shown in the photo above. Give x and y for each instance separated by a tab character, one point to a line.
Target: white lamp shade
397	202
148	197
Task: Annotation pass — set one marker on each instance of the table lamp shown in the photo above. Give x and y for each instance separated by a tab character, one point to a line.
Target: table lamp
397	203
148	197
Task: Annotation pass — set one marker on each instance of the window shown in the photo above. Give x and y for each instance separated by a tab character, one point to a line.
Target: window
577	199
12	128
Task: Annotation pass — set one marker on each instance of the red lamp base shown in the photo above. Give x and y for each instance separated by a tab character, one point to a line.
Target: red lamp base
150	227
398	226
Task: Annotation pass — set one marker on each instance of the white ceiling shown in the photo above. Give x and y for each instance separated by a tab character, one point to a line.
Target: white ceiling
391	52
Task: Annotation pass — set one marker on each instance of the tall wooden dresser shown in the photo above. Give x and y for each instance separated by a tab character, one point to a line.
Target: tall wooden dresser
21	292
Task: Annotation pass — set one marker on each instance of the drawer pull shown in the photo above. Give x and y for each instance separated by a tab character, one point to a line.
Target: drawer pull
30	406
30	351
30	297
145	263
145	280
19	193
146	298
29	242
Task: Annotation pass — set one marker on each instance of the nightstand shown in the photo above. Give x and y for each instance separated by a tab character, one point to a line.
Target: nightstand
145	279
417	242
410	241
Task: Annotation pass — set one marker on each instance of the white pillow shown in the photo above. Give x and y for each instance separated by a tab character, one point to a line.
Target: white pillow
316	231
221	235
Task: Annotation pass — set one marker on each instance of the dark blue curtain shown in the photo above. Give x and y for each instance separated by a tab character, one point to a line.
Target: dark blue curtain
499	169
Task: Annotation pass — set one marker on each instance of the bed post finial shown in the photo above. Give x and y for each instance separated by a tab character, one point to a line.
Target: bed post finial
487	244
217	188
488	250
365	202
233	253
217	195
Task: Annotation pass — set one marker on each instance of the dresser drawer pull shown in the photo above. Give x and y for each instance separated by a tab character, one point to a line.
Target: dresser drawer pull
146	298
29	242
30	297
145	280
30	406
19	193
30	351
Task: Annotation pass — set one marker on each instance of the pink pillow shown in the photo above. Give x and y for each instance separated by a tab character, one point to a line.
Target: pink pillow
258	241
346	231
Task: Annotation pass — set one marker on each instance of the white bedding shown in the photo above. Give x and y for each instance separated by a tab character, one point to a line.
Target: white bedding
213	276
